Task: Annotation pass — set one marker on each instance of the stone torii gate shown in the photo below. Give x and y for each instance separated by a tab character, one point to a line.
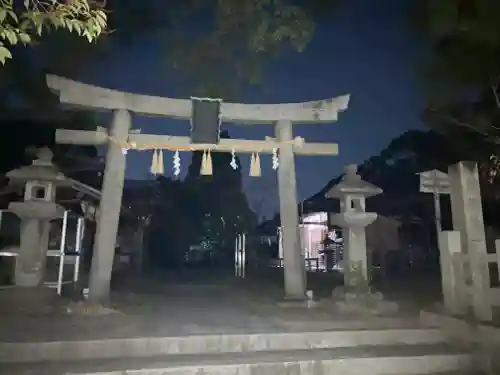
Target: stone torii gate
123	103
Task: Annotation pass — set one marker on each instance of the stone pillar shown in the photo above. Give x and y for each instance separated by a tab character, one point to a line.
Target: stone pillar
468	219
356	277
111	200
31	260
457	205
293	259
452	275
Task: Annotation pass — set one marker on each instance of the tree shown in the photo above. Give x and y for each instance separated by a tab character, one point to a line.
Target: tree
463	75
246	35
25	23
224	208
176	221
265	191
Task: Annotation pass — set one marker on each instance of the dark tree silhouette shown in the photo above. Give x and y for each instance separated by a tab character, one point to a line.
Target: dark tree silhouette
462	74
201	210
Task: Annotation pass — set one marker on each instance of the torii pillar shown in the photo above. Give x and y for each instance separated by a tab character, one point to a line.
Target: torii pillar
293	258
111	200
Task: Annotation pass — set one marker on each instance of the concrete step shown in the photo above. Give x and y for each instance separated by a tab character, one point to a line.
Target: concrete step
212	344
363	360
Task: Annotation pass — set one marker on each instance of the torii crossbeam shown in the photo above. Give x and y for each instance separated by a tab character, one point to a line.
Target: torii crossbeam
282	116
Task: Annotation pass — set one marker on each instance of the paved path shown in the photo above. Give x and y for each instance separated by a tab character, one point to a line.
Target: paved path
183	306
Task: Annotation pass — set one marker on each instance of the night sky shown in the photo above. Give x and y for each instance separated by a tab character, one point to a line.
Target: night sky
365	49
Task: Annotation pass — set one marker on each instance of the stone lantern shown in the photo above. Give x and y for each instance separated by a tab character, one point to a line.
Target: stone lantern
353	219
36	212
356	296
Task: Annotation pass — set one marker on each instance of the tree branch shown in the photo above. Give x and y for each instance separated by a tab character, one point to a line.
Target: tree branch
488	137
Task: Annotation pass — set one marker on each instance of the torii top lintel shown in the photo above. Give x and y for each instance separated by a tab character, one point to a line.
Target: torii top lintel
84	95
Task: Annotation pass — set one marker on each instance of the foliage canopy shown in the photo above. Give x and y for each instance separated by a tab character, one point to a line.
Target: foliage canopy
27	22
463	76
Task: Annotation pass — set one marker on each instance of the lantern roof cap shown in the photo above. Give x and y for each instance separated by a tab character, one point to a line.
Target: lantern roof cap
352	184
